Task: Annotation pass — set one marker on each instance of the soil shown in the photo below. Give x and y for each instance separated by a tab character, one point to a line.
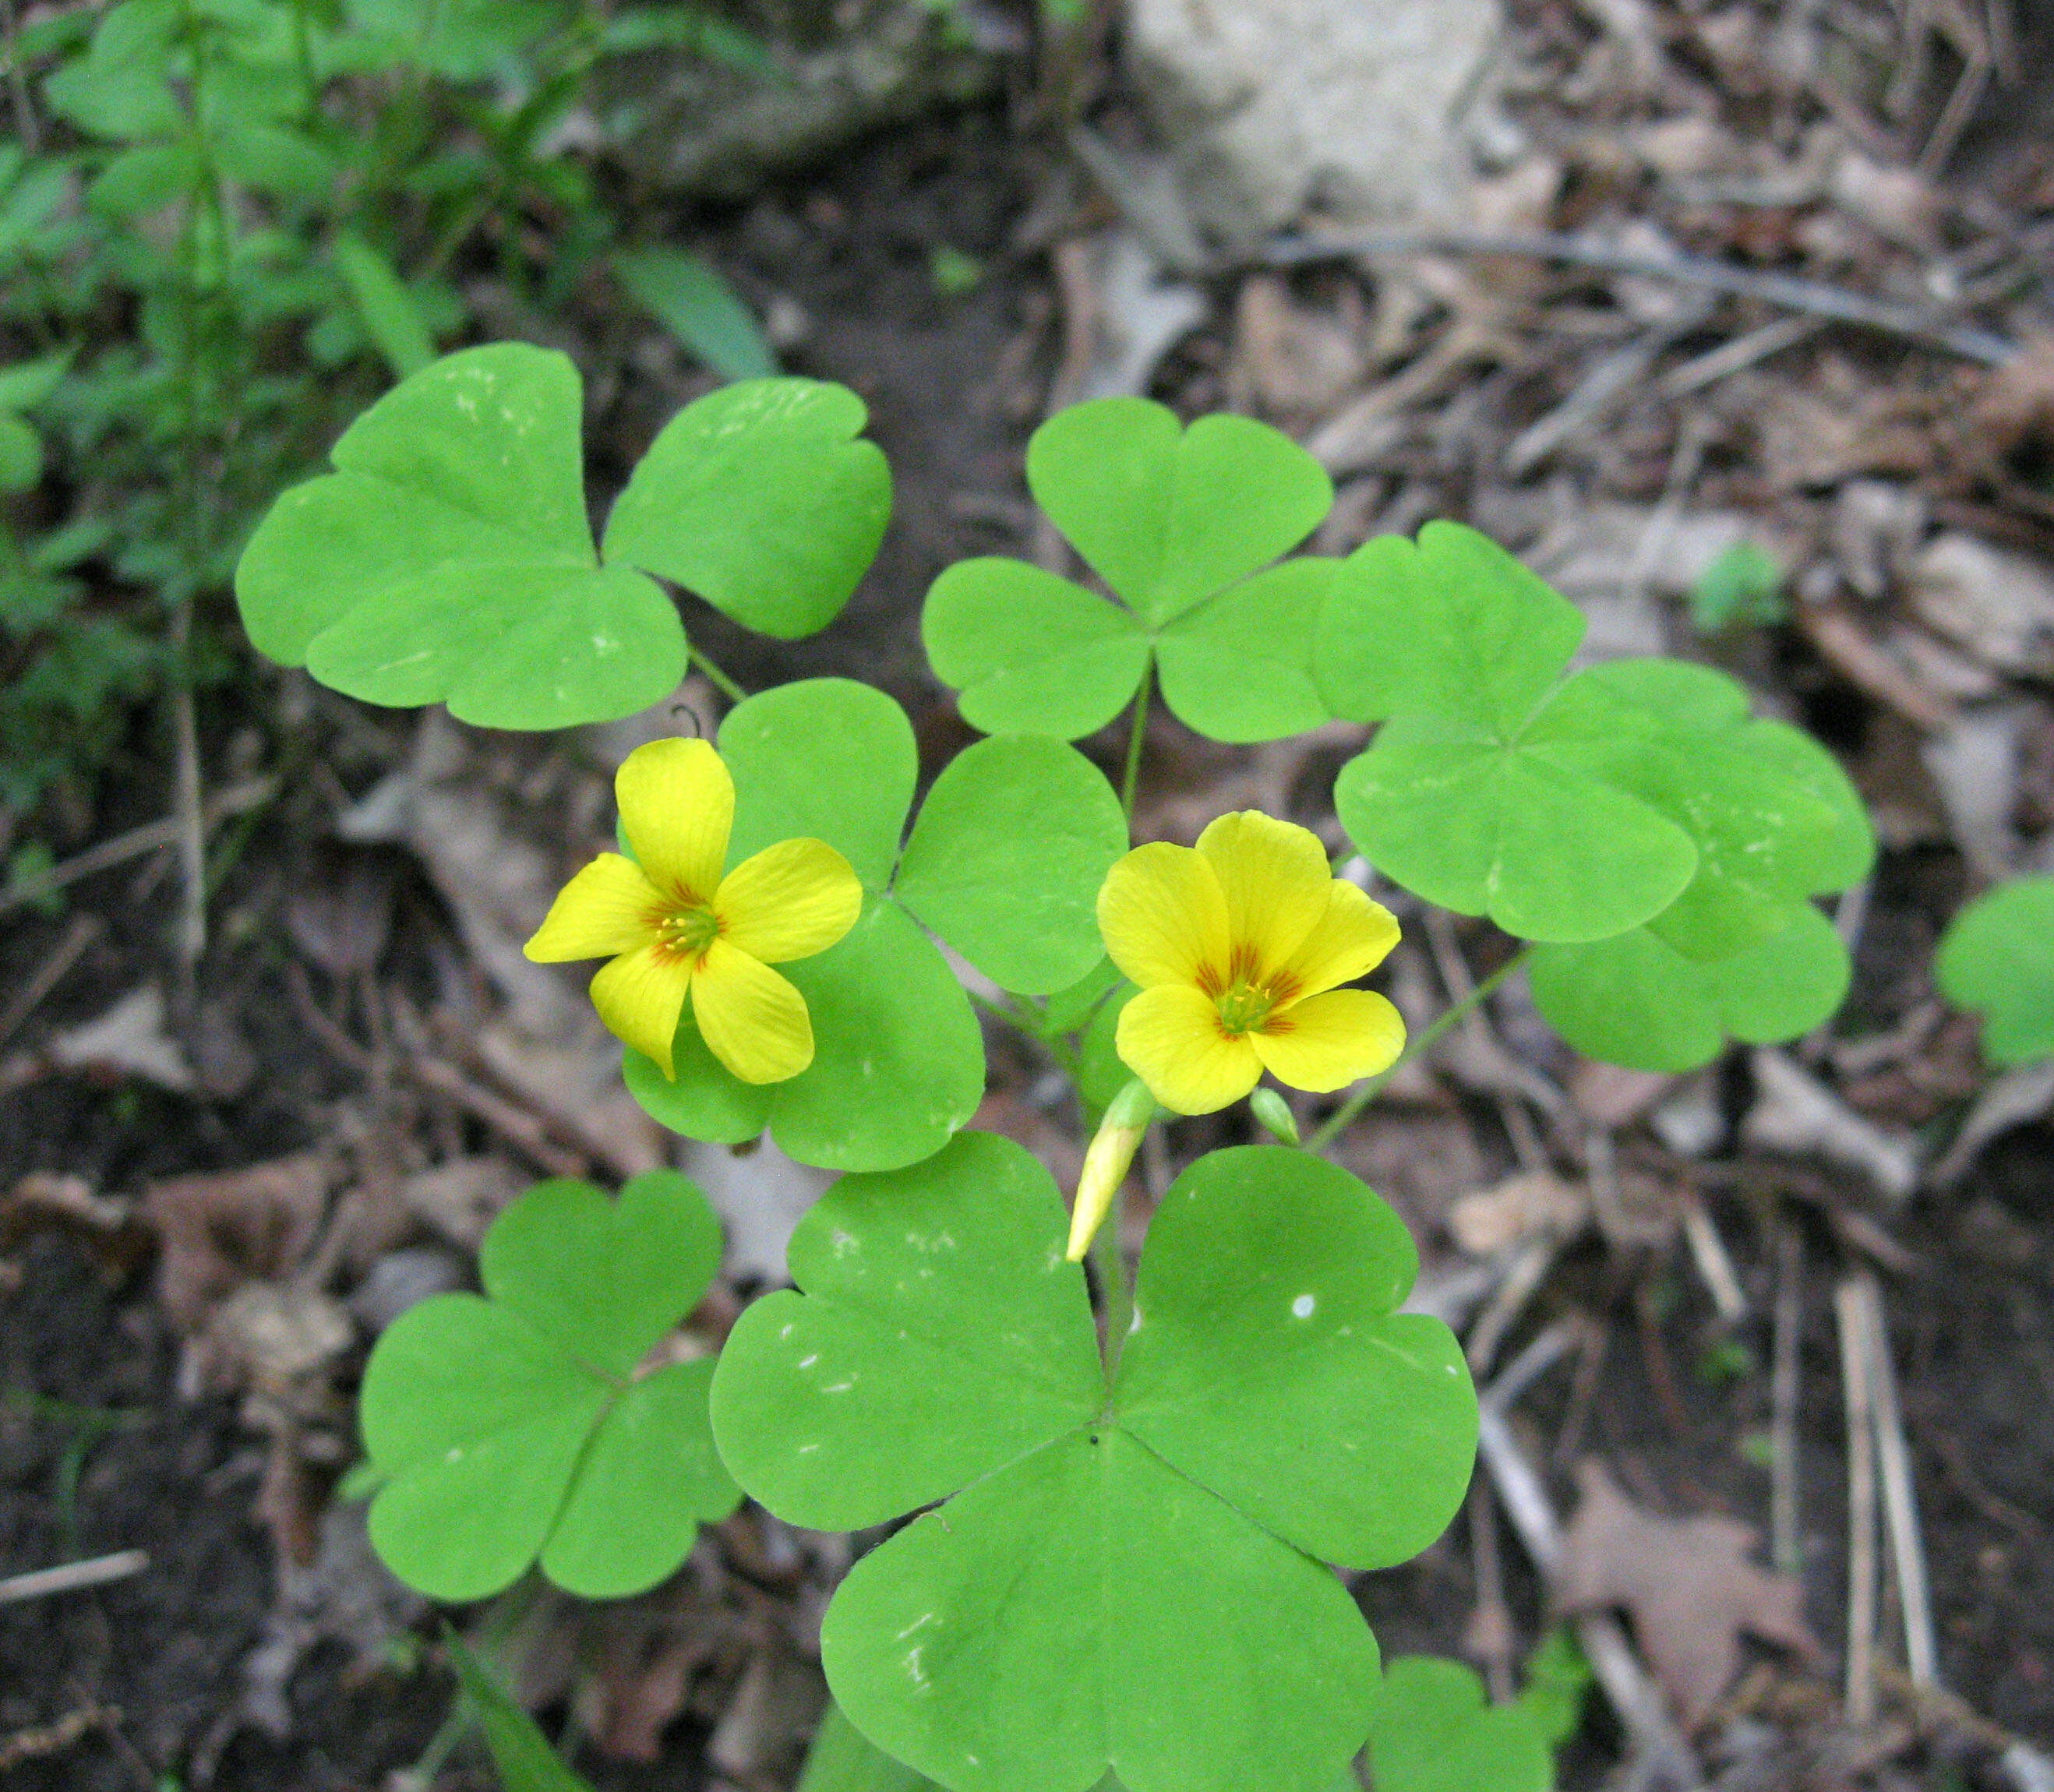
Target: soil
159	1658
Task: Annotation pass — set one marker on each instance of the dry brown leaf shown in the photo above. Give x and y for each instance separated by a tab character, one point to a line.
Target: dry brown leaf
1687	1584
1521	1207
340	914
460	1198
1998	605
1298	360
46	1200
2015	408
220	1231
129	1039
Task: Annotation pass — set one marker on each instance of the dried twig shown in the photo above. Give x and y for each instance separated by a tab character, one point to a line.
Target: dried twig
1855	1359
83	930
1900	1505
519	1128
1785	1385
1708	1251
43	1740
1789	292
152	836
72	1576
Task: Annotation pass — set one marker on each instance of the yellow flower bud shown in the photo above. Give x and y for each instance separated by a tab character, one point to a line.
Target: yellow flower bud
1111	1150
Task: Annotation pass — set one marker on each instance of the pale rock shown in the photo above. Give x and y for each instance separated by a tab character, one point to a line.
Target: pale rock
1272	105
760	1195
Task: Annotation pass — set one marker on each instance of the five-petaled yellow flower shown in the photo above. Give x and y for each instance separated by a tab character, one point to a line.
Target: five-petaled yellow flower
674	927
1238	947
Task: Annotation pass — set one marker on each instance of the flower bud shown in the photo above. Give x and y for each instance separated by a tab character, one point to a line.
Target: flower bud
1119	1136
1275	1113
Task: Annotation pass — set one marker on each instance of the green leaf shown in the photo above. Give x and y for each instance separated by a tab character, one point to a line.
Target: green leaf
788	785
275	158
1178	522
27	383
1520	831
513	1426
387	309
1636	1001
143	178
1433	1732
691	300
520	1751
20	453
121	88
1006	862
1124	1581
1452	626
1558	1679
843	1760
1101	1071
449	558
1168	515
898	1058
1030	653
1743	585
1773	817
1240	668
1069	1007
1997	957
760	498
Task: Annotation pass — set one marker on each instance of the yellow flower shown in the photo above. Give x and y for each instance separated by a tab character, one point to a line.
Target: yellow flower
673	925
1237	948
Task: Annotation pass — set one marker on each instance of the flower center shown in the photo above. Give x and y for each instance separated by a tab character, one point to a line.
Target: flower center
1243	1006
690	931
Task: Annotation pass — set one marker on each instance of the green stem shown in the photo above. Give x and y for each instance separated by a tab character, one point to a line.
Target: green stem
1140	727
1065	1059
1337	1122
728	687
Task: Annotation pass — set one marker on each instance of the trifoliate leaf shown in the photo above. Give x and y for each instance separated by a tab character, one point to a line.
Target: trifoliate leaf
1168	515
1997	957
761	498
1433	1732
1637	1001
1029	652
1122	1582
1450	626
1178	522
1517	829
513	1425
448	559
1773	818
1006	862
1239	668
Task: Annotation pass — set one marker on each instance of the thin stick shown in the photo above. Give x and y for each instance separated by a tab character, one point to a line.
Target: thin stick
1633	1695
1528	1270
1708	1251
1491	1633
1810	296
152	836
83	930
1337	1122
1900	1505
1855	1358
1785	1385
72	1576
727	687
1135	733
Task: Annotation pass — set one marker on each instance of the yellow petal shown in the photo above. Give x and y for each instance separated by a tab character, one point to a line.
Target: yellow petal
752	1020
677	807
1162	916
790	900
1353	937
609	907
1327	1042
639	996
1171	1039
1274	876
